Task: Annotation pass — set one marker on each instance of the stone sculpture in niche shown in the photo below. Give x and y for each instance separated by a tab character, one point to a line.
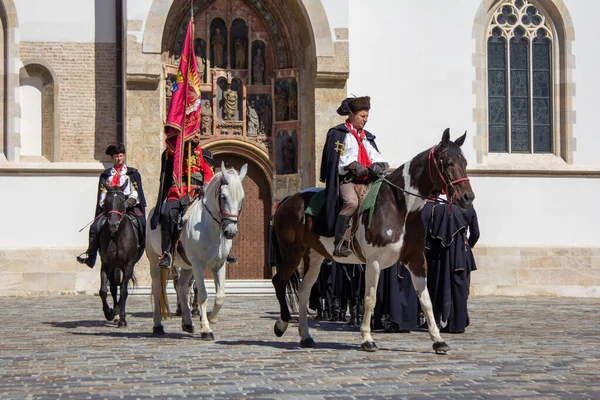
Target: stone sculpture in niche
293	103
289	156
201	58
258	67
253	120
240	53
217	43
229	101
281	104
266	118
207	119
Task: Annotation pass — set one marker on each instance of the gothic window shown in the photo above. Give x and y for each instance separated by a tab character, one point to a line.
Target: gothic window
520	71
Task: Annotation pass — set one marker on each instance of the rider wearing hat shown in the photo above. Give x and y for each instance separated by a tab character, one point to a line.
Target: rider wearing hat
350	159
201	165
117	175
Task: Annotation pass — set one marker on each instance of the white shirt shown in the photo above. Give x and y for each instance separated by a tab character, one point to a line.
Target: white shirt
129	192
350	153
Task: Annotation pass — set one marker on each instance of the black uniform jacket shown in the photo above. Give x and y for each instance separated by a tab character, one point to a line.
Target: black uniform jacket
166	181
330	161
136	181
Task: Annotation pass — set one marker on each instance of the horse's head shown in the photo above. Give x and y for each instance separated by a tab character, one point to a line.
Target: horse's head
230	198
114	206
448	170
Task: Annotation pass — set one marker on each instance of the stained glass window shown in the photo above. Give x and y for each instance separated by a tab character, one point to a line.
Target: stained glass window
519	80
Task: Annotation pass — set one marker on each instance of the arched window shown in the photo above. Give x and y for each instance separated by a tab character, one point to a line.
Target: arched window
30	95
520	72
38	98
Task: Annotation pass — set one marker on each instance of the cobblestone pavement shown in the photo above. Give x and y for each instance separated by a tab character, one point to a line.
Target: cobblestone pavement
515	348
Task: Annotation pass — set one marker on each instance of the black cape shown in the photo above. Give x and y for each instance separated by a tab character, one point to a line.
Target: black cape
330	159
166	181
397	298
450	262
136	181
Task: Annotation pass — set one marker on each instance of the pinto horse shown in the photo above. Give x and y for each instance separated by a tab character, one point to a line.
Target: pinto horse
209	226
395	233
119	253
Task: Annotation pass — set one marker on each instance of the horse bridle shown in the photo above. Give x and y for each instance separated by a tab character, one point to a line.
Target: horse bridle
223	215
447	181
441	171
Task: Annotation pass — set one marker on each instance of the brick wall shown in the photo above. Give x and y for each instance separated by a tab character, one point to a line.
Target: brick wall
87	101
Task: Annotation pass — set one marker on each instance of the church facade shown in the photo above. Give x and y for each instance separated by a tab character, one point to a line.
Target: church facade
517	75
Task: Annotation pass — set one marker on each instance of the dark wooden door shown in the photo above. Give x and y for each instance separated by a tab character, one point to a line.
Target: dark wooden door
250	244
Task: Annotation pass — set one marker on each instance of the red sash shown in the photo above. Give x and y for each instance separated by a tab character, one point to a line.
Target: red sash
363	156
116	180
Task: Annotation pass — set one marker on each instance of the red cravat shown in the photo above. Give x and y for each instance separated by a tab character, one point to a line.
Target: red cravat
363	155
116	180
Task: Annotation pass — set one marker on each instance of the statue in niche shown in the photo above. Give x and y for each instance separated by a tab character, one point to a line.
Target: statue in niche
169	86
266	118
201	59
293	103
289	153
207	119
253	120
281	105
258	67
240	53
229	101
217	43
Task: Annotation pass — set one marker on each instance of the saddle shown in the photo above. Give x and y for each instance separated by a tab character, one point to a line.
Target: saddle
367	194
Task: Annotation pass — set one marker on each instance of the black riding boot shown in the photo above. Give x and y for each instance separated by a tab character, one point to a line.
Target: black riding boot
92	251
231	259
165	259
341	250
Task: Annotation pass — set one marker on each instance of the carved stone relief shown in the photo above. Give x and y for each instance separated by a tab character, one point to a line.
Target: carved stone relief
206	126
263	107
218	43
200	51
258	62
286	145
253	119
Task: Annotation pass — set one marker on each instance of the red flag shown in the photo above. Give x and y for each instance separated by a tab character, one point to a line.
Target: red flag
183	117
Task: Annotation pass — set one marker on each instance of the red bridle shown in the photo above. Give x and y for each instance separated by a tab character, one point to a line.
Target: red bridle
447	182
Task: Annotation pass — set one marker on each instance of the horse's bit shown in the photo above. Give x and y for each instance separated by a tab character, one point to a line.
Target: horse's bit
224	215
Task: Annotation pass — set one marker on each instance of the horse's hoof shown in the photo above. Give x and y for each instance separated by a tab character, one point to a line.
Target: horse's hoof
278	332
369	346
122	324
110	315
195	312
158	330
189	328
207	336
440	347
308	342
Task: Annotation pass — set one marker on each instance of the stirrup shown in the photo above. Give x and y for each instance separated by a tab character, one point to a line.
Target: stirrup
165	260
341	251
87	260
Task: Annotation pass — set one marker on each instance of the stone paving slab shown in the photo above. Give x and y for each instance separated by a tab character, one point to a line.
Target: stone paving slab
516	348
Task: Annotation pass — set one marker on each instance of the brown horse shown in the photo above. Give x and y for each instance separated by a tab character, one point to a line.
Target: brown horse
395	233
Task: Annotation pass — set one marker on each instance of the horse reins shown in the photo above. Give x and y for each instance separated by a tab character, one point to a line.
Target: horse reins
447	182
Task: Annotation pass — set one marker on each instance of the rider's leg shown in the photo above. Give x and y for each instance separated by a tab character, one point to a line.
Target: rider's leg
92	251
349	205
167	225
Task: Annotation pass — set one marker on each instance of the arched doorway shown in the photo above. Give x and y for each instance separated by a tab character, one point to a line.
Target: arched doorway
250	244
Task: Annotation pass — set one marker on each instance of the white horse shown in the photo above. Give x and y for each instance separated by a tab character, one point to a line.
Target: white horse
209	226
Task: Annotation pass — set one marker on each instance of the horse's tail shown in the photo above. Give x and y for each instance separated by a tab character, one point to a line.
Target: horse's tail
163	302
275	261
292	291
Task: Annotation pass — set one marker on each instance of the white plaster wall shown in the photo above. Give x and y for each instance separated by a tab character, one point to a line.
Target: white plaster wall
30	95
415	60
46	210
337	14
66	20
587	80
138	9
537	211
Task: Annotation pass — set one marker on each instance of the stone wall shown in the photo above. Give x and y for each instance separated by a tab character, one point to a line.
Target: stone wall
86	76
506	271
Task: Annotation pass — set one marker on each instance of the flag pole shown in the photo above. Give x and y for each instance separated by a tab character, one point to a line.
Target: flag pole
189	174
